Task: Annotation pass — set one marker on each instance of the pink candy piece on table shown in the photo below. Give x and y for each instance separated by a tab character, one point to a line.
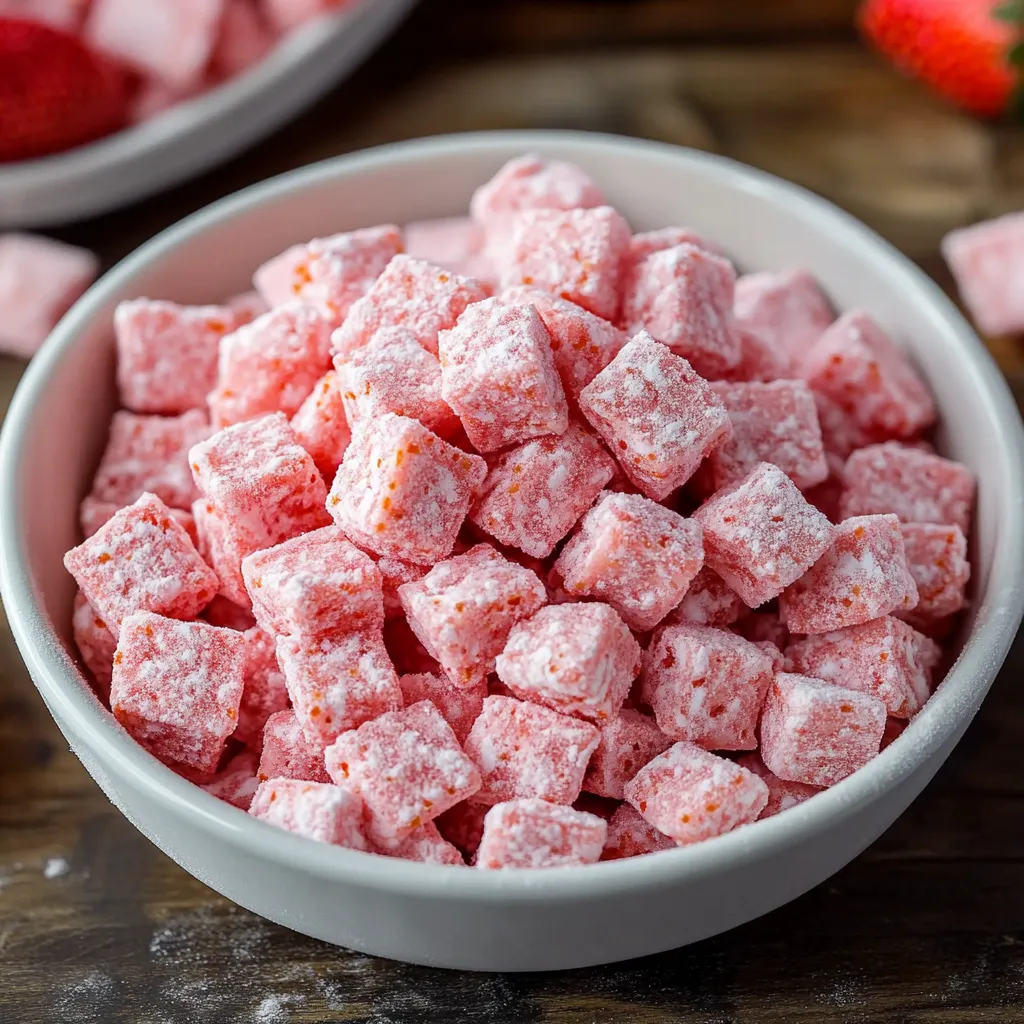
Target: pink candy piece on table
167	354
760	534
524	750
321	427
631	835
95	643
578	659
150	453
413	294
683	298
786	307
329	274
142	560
937	559
315	583
270	365
862	576
316	810
459	705
628	742
816	733
634	554
885	658
39	280
574	254
534	494
690	795
407	766
264	693
338	682
709	602
462	610
782	794
655	414
915	485
236	782
287	753
706	686
403	492
426	845
535	834
176	687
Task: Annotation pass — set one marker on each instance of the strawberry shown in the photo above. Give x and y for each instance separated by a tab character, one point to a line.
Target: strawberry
967	50
54	92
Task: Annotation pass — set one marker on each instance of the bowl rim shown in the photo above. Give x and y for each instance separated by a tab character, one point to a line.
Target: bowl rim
55	674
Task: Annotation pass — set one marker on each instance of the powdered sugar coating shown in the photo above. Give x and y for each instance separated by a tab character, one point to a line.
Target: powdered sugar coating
264	693
709	601
236	782
760	534
287	753
326	813
93	513
524	750
536	834
937	558
628	742
690	795
655	414
634	554
786	307
176	687
534	494
95	643
781	794
425	845
816	733
321	427
706	686
862	576
631	835
223	545
459	705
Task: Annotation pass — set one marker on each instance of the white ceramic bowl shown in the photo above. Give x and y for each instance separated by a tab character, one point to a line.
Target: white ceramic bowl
457	917
194	136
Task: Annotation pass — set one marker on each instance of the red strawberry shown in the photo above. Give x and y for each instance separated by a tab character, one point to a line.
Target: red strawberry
54	92
966	50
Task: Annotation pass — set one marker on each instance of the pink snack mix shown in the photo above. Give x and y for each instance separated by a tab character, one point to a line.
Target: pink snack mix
706	686
176	687
264	693
236	782
709	602
287	753
689	795
321	427
628	742
631	835
760	534
534	494
634	554
816	733
427	772
655	414
459	705
579	659
781	794
425	845
463	609
95	643
326	813
787	308
535	834
863	575
937	559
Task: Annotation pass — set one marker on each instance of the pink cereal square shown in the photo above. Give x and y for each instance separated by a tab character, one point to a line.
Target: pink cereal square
862	576
536	834
176	687
761	534
816	733
394	373
524	750
142	560
857	367
236	782
150	453
634	554
459	705
709	601
264	693
402	492
785	307
321	427
937	558
316	810
315	583
655	414
683	297
781	794
287	754
95	643
774	422
885	658
425	845
706	686
915	485
408	767
167	354
410	293
578	659
691	795
337	682
534	494
462	610
498	375
628	742
270	365
631	835
575	254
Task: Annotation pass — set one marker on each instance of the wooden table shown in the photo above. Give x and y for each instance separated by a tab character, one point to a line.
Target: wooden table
926	926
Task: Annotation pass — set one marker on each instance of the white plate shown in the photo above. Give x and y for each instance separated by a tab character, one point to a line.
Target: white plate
197	135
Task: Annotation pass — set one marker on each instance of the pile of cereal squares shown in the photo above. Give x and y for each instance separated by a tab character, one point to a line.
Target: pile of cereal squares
519	539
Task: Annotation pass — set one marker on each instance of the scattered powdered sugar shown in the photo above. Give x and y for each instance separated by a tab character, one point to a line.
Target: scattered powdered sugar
55	867
273	1009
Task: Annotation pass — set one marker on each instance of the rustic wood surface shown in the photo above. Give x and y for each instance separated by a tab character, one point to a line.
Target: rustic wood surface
926	926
